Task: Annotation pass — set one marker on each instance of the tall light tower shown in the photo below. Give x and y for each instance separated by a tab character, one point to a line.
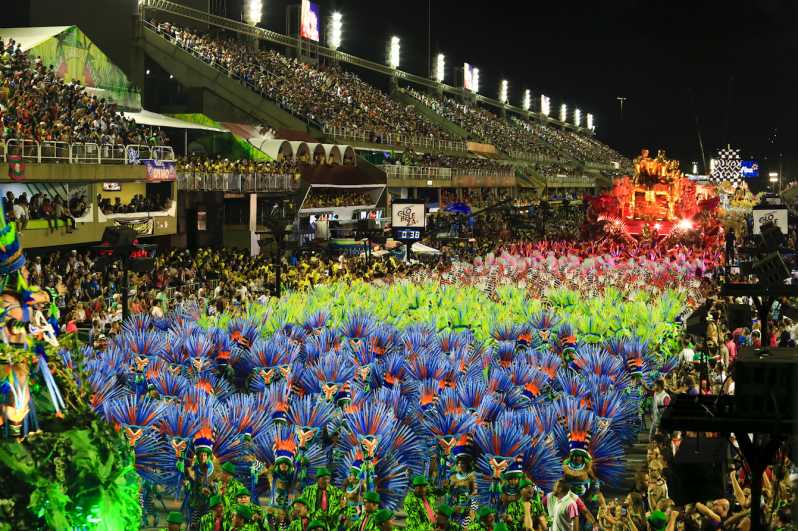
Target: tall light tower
504	91
621	99
440	68
393	52
335	33
253	12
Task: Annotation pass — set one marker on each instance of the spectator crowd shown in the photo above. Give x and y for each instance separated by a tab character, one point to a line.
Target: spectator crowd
42	206
326	95
200	163
437	160
138	203
35	104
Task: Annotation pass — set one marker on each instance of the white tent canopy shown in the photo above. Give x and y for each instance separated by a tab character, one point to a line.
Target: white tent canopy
31	37
159	120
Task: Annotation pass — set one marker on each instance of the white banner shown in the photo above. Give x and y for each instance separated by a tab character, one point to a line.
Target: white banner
775	215
408	215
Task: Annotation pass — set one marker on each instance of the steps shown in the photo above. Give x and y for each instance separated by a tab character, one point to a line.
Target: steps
636	457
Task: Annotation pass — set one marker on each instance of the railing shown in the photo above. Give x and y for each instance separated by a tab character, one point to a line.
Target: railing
50	151
391	139
235	182
524	155
483	172
565	181
416	172
396	171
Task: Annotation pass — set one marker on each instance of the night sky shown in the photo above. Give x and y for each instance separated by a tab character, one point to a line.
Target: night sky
732	64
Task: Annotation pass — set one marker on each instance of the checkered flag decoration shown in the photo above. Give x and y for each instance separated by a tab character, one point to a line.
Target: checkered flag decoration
728	166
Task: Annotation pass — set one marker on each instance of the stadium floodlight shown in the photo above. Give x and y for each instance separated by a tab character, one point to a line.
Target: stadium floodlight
475	80
563	113
503	90
335	33
393	52
577	117
590	122
440	68
253	11
527	103
545	105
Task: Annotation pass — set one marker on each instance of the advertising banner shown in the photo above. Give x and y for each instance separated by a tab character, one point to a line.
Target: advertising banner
160	171
774	215
750	169
476	147
309	21
408	215
142	226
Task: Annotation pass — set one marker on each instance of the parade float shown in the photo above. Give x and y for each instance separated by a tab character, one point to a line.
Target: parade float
62	468
658	202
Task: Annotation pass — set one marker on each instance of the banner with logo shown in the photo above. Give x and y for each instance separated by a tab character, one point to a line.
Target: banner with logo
159	171
142	226
778	216
16	168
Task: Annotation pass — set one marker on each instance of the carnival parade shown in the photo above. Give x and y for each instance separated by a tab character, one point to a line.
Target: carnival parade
295	299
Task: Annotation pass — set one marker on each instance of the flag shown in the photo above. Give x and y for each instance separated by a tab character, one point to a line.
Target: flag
16	168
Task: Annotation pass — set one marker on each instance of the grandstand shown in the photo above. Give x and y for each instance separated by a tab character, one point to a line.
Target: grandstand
253	113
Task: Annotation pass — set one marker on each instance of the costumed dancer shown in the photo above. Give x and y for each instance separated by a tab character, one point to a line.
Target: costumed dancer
276	448
526	512
462	488
214	519
325	501
228	487
486	519
200	475
594	457
419	505
501	463
137	418
25	335
367	521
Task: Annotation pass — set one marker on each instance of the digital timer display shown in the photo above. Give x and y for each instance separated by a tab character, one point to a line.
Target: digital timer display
406	234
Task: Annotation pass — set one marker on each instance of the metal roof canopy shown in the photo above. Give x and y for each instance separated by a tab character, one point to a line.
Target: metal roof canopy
278	38
145	117
29	38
